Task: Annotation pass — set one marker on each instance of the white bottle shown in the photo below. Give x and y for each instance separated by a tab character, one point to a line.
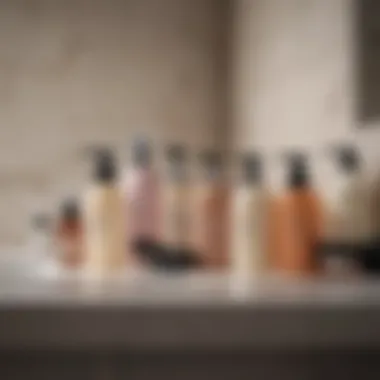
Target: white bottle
105	247
348	219
249	208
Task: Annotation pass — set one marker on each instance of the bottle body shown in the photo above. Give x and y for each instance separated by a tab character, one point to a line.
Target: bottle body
248	240
348	224
142	207
298	230
209	224
176	216
105	230
70	243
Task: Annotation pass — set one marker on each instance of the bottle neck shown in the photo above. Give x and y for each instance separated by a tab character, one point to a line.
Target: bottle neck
177	172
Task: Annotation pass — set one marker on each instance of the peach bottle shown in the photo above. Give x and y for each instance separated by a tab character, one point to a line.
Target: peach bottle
175	205
209	212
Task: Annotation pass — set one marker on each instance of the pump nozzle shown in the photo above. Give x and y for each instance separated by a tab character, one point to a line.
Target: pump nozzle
298	175
141	151
348	157
252	167
212	162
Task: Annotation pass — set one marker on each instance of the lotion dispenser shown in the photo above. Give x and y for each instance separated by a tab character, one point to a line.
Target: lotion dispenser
104	215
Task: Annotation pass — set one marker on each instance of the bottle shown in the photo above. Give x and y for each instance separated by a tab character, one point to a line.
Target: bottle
176	201
209	221
141	187
249	219
105	222
40	241
69	234
297	222
348	222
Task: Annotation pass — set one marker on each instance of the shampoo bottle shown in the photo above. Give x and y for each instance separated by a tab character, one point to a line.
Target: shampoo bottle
176	205
209	212
141	187
347	221
249	219
298	221
104	219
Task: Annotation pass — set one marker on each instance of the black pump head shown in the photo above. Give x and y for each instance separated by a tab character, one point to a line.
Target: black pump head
70	209
298	175
252	167
348	158
105	165
176	153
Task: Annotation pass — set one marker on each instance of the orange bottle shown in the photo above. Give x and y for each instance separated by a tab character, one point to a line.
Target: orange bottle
209	213
297	222
70	235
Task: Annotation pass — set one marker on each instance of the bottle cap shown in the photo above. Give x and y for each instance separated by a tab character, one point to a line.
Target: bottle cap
105	166
69	209
298	174
348	158
177	157
252	168
176	153
211	161
141	152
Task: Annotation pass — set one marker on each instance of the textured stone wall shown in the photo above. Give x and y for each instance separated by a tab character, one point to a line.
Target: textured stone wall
78	72
295	81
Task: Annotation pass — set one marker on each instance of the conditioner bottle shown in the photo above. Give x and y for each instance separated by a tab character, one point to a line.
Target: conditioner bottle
104	219
249	219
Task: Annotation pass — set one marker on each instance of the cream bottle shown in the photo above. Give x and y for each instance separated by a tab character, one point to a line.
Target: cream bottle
176	196
209	221
249	218
348	227
104	218
142	196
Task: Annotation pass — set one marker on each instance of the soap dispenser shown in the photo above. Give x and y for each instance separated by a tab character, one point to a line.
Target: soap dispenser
249	218
347	218
299	221
209	212
142	196
104	217
176	200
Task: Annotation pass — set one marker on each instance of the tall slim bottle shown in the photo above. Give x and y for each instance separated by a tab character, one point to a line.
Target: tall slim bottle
104	219
348	220
176	201
249	219
209	212
298	222
142	193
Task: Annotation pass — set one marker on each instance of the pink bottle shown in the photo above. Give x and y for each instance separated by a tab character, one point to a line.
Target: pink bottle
142	195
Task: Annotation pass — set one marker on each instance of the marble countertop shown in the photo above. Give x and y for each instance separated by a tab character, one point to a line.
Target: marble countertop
42	307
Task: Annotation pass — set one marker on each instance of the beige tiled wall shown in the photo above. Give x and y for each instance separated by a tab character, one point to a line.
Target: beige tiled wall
77	72
294	81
